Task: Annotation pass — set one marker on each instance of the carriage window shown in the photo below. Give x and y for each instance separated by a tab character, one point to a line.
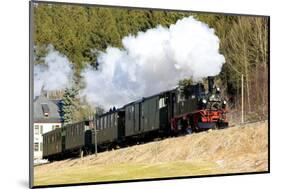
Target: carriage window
131	112
180	97
101	125
102	120
161	103
111	120
108	121
41	146
98	124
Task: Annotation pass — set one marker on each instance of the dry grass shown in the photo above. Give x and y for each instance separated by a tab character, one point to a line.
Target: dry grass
237	149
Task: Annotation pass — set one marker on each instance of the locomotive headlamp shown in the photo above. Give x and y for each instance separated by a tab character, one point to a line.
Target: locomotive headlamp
218	89
224	102
204	101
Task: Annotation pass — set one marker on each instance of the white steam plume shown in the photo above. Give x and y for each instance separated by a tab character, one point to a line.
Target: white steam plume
54	74
153	61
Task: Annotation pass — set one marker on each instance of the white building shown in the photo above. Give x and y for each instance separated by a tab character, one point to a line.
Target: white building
46	118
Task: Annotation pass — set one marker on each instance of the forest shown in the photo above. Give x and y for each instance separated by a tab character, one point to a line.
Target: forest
79	32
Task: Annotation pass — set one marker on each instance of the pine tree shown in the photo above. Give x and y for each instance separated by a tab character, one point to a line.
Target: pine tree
69	105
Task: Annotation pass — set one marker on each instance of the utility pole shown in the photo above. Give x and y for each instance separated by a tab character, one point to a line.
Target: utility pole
91	118
242	99
96	145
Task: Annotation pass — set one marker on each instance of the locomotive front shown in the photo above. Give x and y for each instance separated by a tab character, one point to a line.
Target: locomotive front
195	109
213	108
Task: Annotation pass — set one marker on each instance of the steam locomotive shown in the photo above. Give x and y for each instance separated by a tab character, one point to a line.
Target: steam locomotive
183	110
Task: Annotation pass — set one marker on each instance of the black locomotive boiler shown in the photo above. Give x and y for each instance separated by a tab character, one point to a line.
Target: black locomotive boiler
181	110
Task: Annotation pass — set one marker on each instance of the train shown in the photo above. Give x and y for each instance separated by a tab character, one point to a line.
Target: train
183	110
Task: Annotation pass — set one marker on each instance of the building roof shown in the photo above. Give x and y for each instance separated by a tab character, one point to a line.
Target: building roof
47	111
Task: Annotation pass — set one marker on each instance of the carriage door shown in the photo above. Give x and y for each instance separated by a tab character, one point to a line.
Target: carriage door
137	117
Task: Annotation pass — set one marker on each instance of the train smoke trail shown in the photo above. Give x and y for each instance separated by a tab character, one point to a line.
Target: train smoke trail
55	73
153	61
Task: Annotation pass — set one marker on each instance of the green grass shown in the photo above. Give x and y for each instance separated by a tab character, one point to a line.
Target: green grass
97	173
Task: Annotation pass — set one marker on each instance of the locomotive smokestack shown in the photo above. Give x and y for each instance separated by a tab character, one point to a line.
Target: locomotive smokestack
210	83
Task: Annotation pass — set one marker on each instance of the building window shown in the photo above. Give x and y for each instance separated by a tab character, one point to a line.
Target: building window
45	109
36	146
36	129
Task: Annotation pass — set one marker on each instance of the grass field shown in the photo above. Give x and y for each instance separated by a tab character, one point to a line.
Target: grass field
234	150
123	171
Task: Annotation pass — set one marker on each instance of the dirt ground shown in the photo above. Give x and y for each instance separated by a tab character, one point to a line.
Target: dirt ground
243	148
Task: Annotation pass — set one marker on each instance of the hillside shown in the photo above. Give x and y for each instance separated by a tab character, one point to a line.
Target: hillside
237	149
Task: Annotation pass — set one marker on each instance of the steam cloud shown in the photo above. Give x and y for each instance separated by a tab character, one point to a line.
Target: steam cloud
55	74
153	61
